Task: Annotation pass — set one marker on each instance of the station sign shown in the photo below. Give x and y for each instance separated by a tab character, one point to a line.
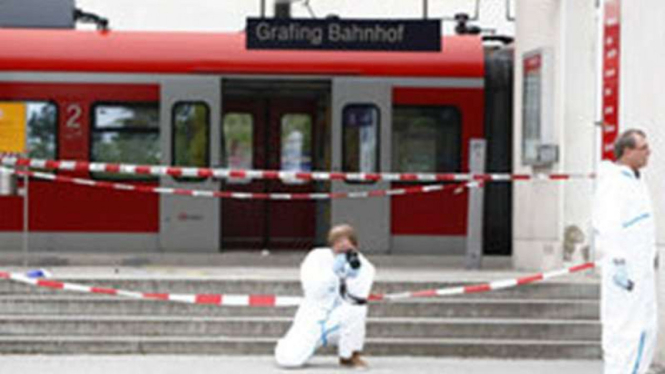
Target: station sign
344	34
12	127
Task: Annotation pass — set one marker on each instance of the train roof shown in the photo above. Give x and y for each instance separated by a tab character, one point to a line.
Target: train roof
225	53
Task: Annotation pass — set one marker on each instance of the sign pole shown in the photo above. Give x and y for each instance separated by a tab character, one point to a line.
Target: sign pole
26	218
14	140
474	238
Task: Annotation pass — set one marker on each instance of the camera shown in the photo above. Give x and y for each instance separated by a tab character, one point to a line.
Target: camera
353	259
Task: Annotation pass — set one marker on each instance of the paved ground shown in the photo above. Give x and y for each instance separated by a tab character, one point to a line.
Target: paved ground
246	365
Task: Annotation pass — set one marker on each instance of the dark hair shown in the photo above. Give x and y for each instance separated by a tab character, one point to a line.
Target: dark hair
626	140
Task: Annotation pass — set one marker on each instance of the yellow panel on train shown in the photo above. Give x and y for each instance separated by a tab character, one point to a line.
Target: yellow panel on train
12	127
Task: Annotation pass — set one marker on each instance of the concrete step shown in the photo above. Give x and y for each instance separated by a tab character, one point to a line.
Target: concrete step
444	328
470	348
541	291
64	303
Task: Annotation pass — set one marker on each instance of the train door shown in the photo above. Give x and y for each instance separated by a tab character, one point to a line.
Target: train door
272	133
432	130
190	108
361	143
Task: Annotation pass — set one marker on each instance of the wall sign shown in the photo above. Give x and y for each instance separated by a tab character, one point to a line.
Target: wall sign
12	127
531	106
611	61
538	147
338	34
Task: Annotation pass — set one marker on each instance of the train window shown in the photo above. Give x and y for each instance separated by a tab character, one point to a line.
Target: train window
125	133
296	136
41	121
296	144
237	146
238	139
426	139
191	134
360	137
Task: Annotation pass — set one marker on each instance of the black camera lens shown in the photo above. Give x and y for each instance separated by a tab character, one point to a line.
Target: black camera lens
353	259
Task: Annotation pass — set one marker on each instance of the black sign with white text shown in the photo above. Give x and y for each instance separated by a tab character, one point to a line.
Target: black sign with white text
338	34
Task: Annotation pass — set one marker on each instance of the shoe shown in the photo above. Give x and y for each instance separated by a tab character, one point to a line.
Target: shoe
354	362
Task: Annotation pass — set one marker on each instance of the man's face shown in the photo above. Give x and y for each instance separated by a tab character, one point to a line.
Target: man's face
637	157
343	245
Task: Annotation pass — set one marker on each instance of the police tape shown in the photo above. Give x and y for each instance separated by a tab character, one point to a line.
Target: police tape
486	287
457	187
256	300
173	171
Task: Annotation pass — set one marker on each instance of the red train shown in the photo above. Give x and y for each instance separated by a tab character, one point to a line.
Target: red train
203	99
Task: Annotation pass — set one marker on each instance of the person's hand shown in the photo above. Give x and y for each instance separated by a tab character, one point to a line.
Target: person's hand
343	268
620	277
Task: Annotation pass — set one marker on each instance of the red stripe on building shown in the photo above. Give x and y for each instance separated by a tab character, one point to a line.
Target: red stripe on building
611	72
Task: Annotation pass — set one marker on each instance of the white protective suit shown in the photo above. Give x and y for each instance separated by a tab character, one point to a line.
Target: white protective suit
324	317
625	230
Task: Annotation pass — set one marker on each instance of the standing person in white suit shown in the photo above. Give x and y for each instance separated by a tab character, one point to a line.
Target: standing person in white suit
625	236
336	282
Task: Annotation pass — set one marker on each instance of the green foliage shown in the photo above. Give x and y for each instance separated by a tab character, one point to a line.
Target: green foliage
191	135
42	125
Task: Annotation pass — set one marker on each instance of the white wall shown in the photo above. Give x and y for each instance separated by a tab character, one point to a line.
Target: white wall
642	81
542	210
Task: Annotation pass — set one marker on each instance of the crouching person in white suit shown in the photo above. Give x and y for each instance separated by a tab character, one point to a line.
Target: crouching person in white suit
336	282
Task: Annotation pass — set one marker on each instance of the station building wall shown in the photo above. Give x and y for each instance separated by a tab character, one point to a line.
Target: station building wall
572	31
565	32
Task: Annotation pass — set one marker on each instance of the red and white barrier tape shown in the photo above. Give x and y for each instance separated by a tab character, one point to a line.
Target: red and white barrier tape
486	287
243	195
130	169
286	301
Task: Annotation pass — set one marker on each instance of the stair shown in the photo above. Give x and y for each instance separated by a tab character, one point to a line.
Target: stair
546	321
